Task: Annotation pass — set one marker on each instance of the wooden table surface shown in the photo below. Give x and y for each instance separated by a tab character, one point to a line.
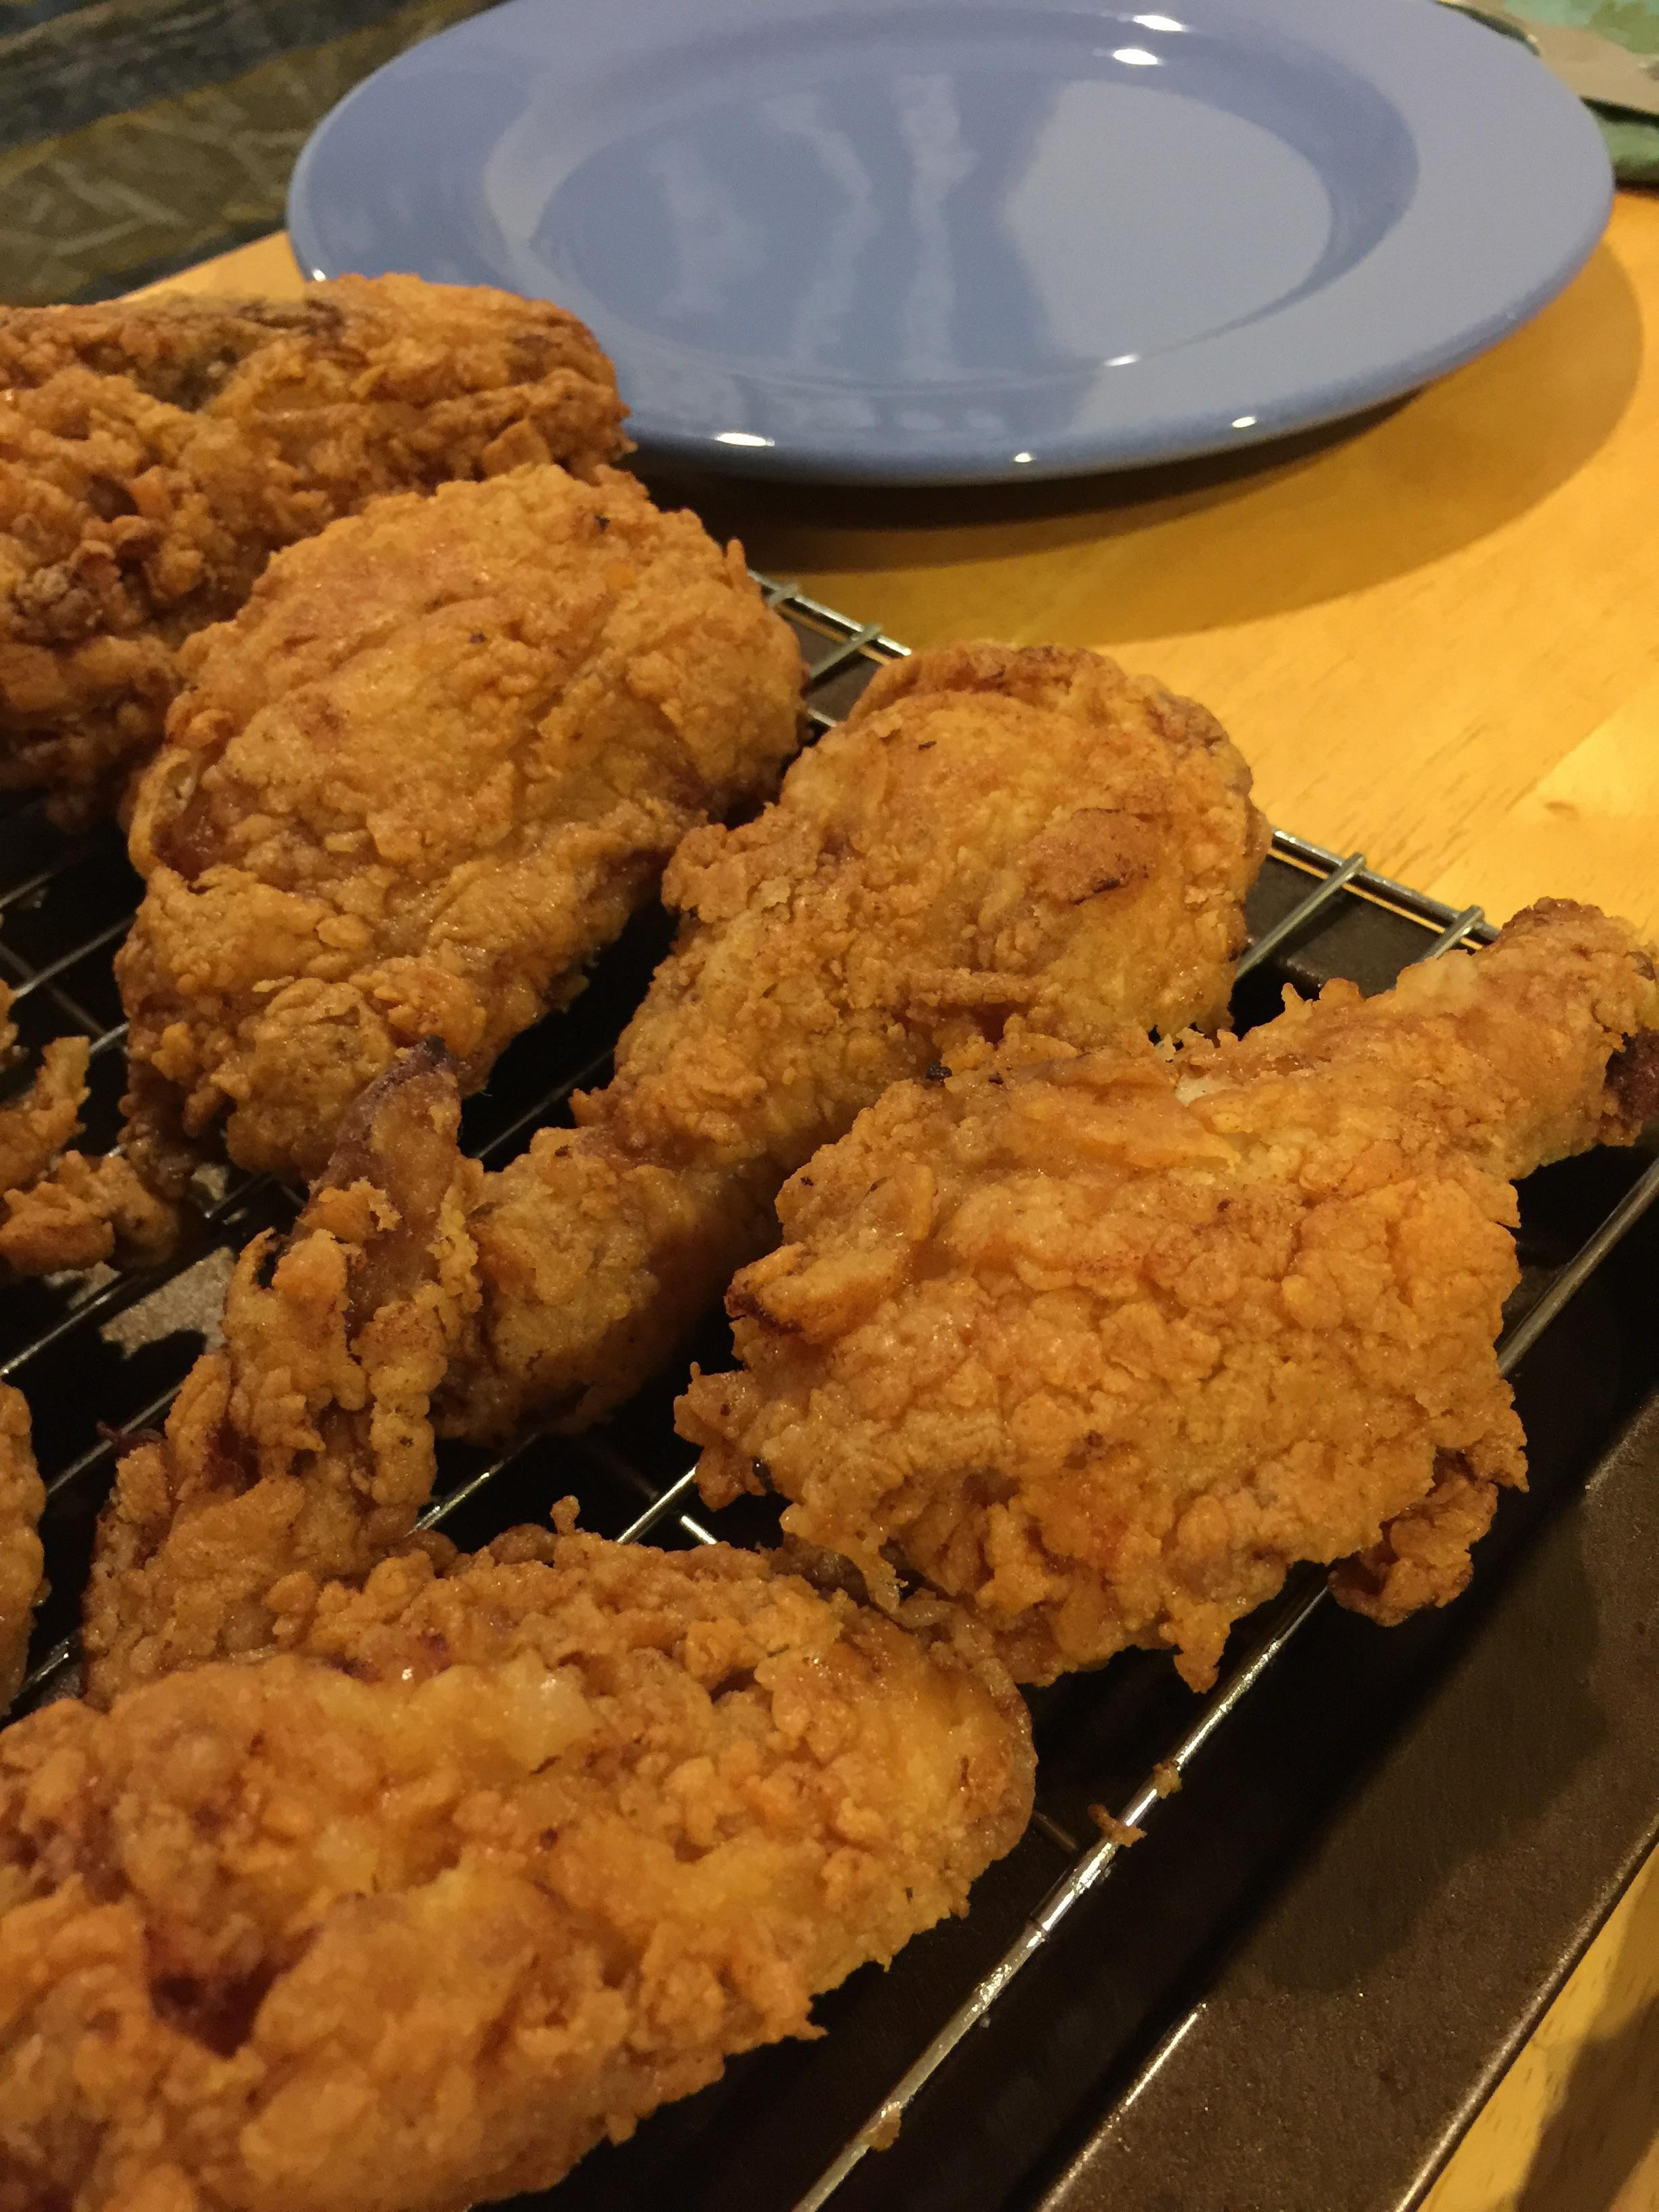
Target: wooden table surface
1436	634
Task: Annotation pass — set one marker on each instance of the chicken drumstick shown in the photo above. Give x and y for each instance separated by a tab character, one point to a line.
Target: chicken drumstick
998	844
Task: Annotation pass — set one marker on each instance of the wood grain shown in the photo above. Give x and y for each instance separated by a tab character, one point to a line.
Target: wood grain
1436	634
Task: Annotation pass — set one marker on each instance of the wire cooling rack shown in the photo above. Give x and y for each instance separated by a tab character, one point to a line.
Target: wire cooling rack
103	1354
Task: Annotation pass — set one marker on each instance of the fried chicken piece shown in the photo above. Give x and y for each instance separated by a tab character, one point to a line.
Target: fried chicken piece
303	1444
35	1128
1103	1348
154	454
34	1131
21	1496
518	1854
428	772
85	1211
996	843
62	1210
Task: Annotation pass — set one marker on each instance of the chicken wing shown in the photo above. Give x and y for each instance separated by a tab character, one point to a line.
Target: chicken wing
154	455
21	1496
1103	1348
303	1444
997	844
428	772
508	1858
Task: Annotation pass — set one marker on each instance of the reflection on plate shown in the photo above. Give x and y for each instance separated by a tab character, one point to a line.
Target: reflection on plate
981	238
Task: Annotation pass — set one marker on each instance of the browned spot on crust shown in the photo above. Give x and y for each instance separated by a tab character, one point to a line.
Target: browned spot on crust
1633	1080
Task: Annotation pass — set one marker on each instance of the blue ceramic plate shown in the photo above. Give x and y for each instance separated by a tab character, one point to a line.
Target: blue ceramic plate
928	240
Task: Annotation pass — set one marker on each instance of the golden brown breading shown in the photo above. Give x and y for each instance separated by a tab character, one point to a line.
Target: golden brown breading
303	1444
61	1209
35	1128
154	454
1105	1347
21	1496
543	1847
997	842
44	1226
84	1210
427	774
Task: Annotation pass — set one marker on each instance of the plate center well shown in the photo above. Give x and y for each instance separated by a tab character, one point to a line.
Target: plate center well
991	195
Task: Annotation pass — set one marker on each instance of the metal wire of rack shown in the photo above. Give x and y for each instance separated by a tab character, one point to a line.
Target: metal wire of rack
62	915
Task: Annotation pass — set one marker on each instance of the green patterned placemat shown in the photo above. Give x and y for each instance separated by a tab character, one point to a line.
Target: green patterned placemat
1632	142
139	136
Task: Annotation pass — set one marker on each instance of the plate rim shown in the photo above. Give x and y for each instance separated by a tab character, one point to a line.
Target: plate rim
1153	435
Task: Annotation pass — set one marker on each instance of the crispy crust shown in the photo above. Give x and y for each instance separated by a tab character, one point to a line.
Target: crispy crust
154	455
1100	1349
21	1496
1000	843
511	1858
429	771
302	1446
61	1210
